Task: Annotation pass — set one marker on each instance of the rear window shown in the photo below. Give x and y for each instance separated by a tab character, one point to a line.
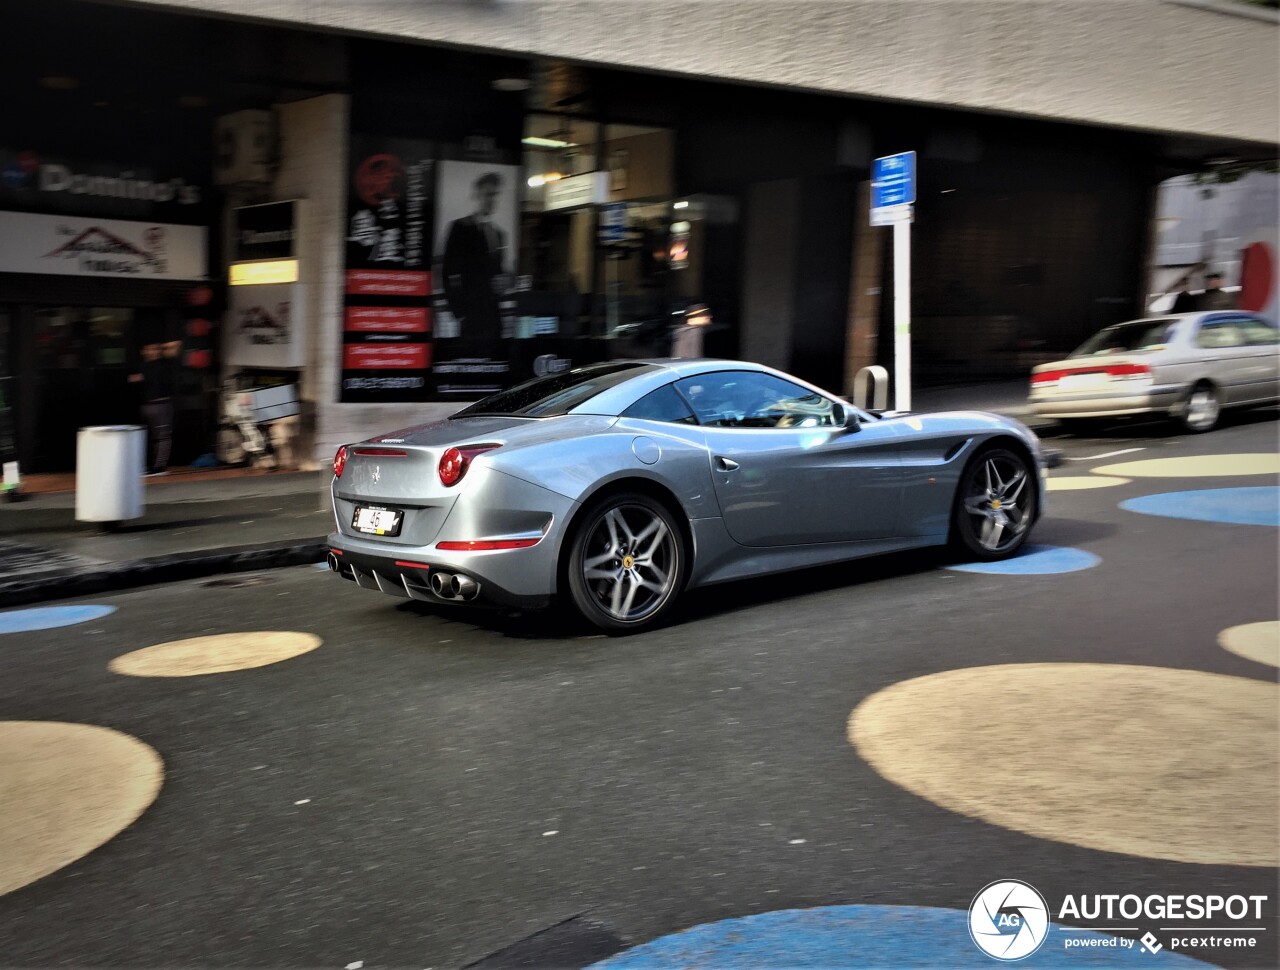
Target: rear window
1127	337
545	397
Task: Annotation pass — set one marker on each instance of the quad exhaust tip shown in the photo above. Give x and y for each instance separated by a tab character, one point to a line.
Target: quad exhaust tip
451	587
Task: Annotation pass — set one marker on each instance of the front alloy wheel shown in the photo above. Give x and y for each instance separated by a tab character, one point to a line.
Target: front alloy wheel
996	504
627	563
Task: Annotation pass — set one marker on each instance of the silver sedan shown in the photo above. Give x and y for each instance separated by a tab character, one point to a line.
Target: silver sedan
619	485
1187	366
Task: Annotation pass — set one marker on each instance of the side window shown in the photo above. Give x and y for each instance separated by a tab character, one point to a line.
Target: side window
1219	333
1258	333
664	404
748	399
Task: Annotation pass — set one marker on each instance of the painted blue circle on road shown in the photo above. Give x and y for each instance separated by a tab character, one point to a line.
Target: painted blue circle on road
833	937
1035	561
48	617
1254	505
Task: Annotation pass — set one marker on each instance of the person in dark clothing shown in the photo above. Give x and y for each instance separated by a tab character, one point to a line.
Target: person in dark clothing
1213	297
1184	302
158	377
475	273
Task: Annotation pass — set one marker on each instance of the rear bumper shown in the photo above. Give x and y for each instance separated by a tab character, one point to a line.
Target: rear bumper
1092	404
489	505
393	575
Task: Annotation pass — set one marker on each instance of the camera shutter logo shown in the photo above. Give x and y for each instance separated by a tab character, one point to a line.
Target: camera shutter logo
1008	920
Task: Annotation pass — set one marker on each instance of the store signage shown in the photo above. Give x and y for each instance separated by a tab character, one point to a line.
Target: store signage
264	327
388	281
576	191
265	231
28	170
73	246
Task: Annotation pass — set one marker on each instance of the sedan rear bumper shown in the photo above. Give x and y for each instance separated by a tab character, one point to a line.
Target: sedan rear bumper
1093	404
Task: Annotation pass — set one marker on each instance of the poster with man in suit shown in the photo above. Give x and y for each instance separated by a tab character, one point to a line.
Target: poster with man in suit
475	247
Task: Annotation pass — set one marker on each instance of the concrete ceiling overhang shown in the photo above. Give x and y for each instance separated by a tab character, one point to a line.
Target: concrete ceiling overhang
1199	68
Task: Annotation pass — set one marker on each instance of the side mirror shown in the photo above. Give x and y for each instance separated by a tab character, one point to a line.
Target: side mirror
851	420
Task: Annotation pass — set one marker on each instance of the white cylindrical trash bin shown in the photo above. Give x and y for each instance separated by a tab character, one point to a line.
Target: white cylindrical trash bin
110	460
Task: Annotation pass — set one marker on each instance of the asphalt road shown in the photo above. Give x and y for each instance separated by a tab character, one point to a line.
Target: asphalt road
436	790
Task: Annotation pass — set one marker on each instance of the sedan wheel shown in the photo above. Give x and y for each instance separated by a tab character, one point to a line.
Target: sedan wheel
626	564
1202	409
996	504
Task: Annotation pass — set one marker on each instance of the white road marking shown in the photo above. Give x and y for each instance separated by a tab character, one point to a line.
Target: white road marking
1109	454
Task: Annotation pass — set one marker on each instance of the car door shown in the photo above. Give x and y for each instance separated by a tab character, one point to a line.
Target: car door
1264	347
786	469
1225	357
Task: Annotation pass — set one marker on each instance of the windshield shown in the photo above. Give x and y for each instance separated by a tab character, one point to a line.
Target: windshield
545	397
1127	337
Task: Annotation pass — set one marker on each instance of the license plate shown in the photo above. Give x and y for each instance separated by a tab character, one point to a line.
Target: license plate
1075	382
376	521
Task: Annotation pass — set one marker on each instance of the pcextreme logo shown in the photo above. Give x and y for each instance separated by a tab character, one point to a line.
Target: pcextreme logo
1008	920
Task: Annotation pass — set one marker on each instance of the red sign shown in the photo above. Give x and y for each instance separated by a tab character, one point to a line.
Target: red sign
385	319
386	357
388	282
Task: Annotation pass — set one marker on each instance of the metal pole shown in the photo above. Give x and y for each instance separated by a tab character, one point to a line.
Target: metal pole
902	315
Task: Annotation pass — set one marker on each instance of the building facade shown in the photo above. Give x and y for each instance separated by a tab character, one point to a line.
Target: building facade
397	208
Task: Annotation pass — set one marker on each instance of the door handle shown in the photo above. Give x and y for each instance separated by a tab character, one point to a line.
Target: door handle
725	464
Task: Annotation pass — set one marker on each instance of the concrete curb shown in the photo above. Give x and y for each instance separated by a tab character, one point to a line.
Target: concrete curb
89	581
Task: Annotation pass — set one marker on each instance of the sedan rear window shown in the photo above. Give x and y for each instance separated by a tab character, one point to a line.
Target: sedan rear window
1127	337
556	394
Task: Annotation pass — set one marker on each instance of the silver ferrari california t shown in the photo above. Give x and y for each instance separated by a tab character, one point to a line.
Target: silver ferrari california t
621	484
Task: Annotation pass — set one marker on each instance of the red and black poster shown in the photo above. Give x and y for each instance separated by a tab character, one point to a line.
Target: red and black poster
387	328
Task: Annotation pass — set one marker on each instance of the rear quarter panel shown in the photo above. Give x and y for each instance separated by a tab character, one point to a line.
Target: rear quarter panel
673	456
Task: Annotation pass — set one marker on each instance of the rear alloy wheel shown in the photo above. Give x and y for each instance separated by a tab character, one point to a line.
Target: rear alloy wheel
996	504
1202	409
627	563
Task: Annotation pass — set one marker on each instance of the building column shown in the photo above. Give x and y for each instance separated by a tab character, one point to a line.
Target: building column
865	284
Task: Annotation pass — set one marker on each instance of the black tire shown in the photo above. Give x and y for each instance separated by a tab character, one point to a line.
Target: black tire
627	563
1202	409
996	482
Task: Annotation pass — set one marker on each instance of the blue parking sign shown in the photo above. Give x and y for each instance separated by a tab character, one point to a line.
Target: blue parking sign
613	223
893	180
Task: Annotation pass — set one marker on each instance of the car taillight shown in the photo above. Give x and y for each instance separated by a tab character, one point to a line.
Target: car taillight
1128	372
340	461
455	462
486	545
1120	372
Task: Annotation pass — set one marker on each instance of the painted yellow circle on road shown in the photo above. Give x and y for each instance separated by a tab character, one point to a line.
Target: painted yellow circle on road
1196	466
1256	641
1074	483
1166	764
65	789
218	654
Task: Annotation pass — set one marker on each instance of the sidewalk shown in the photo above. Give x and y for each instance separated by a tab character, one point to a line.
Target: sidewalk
196	523
208	522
